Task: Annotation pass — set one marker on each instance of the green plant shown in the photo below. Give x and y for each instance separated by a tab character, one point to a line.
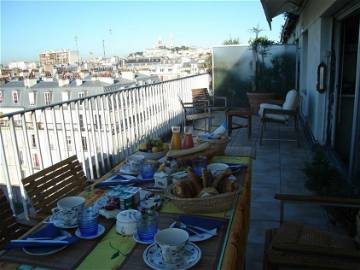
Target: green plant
231	41
324	179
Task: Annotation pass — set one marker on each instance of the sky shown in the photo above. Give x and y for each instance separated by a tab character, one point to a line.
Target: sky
30	27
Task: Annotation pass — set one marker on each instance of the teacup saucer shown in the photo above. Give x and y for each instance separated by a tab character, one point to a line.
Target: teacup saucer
137	240
101	230
152	257
60	224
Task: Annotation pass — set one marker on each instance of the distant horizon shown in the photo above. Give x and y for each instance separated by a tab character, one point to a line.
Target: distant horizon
31	27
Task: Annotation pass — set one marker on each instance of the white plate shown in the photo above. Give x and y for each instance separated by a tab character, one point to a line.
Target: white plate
101	230
200	236
152	257
43	251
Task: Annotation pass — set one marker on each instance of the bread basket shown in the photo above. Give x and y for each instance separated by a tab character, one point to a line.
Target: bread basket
216	203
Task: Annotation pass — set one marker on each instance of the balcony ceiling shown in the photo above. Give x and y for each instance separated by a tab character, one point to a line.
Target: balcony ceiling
273	8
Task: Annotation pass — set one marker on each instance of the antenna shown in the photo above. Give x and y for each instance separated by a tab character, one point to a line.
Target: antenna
104	47
76	43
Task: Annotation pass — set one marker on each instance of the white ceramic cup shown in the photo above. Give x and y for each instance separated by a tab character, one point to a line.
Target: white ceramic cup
68	210
172	242
126	221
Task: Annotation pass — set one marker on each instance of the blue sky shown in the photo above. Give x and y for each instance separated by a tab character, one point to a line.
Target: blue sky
29	27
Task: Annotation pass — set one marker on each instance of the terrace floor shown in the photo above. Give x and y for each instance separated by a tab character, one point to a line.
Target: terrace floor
276	169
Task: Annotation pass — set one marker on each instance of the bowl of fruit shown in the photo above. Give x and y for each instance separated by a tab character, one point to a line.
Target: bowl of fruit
153	149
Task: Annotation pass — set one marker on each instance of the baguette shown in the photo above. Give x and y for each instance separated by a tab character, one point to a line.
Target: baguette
220	177
226	185
205	177
185	189
193	177
185	152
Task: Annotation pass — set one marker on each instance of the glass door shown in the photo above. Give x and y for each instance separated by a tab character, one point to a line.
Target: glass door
347	91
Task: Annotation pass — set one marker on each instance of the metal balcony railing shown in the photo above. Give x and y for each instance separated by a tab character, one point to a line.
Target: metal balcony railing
101	129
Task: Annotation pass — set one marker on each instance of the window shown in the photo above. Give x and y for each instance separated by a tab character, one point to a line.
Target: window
1	97
81	94
35	160
47	97
33	141
15	97
81	121
68	142
21	157
32	98
84	143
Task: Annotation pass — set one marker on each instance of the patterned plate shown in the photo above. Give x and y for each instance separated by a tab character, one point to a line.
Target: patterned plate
152	257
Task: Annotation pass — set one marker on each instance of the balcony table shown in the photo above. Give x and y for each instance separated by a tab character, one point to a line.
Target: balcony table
104	253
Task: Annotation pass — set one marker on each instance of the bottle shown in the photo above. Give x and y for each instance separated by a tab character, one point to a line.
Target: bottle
188	138
175	138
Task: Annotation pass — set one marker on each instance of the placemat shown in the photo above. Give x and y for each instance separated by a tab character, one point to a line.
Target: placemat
66	259
211	248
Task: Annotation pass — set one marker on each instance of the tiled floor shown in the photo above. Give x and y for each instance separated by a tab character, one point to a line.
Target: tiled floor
277	169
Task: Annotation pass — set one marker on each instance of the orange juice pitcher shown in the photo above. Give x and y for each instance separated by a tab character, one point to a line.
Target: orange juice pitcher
175	138
188	138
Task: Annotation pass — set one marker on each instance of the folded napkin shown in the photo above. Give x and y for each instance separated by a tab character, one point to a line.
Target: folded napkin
205	223
216	134
47	236
117	180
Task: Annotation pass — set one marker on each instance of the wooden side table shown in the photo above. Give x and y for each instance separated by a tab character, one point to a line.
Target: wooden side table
241	113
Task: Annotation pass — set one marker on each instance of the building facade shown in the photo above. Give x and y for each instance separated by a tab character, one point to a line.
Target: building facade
326	34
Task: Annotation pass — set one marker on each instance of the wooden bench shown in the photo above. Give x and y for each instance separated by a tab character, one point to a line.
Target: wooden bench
46	187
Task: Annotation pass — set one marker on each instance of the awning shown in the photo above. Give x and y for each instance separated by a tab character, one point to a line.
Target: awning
273	8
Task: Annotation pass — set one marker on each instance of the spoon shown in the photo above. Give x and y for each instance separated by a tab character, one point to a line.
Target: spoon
193	228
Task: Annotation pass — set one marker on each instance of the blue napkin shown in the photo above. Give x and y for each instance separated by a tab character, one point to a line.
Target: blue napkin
117	180
48	234
205	223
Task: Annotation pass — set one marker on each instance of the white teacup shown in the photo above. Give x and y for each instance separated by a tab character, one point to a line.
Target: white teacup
68	210
172	242
136	162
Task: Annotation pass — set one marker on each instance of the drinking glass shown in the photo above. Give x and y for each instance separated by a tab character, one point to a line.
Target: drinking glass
148	170
198	164
88	222
147	225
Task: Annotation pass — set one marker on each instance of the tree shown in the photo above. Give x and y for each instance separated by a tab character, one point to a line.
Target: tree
231	41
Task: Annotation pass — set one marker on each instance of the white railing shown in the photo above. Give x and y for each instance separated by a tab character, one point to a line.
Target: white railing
100	129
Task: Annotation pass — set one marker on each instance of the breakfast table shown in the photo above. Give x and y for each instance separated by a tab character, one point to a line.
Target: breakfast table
115	251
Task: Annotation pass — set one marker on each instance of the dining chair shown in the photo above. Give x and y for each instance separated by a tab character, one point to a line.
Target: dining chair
46	187
299	245
278	111
200	95
9	227
193	113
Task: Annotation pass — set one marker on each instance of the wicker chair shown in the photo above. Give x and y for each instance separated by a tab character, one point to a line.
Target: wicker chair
46	187
298	245
9	227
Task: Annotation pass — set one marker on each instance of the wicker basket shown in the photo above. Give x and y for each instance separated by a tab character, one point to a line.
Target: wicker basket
216	203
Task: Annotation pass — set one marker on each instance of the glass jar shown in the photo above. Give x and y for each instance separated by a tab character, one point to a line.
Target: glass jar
188	138
147	224
175	138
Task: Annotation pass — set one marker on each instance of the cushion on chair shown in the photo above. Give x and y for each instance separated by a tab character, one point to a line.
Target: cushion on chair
291	100
277	117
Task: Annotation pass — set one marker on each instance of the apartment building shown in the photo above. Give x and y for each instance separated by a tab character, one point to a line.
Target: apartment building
61	57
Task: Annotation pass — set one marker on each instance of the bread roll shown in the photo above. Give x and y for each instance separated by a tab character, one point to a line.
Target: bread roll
221	177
